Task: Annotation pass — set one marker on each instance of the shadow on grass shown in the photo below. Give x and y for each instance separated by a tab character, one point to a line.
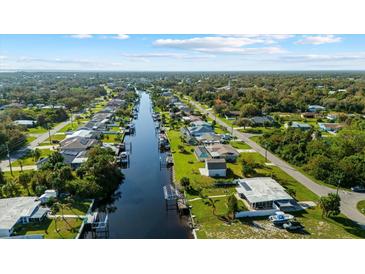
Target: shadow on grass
349	225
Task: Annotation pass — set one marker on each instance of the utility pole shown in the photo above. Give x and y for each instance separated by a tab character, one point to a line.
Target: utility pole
265	153
338	186
49	135
8	154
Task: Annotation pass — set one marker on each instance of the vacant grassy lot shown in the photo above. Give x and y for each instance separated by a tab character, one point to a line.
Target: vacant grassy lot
30	139
112	138
37	130
239	145
55	137
70	127
67	229
77	207
28	159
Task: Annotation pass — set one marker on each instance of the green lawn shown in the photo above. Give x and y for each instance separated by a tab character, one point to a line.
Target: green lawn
239	145
361	206
28	160
55	137
68	228
30	139
37	130
111	138
78	207
211	226
70	127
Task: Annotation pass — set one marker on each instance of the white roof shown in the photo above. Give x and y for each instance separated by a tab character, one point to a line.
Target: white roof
262	189
12	209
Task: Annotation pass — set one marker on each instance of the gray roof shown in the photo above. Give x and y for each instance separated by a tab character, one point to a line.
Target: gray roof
12	209
262	189
262	120
216	164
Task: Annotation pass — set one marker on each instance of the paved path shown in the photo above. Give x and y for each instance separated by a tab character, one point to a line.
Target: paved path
199	198
17	168
41	138
349	199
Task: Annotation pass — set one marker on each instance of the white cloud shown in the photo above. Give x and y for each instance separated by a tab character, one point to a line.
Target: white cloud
3	57
319	40
232	44
121	36
81	36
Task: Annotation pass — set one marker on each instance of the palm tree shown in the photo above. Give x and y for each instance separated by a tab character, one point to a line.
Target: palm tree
54	210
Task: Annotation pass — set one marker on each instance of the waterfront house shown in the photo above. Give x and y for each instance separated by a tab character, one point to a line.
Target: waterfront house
222	151
214	168
209	138
264	193
19	210
77	144
196	131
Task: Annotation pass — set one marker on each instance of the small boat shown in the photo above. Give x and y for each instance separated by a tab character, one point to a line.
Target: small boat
169	160
123	157
280	218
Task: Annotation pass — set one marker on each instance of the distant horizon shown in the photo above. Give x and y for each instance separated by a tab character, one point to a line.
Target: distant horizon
182	53
182	71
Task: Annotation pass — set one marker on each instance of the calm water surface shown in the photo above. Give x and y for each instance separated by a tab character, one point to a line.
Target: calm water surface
140	212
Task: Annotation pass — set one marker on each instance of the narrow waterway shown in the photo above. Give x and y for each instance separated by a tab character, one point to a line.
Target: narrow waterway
140	212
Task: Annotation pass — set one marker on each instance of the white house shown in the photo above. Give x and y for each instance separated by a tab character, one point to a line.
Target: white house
214	168
263	193
19	210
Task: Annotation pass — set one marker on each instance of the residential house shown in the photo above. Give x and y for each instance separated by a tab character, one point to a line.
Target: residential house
214	168
315	108
25	123
330	127
264	193
222	151
19	210
77	143
297	125
209	138
261	121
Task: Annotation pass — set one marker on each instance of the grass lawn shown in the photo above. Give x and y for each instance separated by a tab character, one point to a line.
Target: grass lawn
30	139
68	228
239	145
28	160
78	207
211	226
361	206
70	127
55	137
37	130
111	138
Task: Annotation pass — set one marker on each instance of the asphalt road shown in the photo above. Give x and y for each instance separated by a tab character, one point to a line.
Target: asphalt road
349	199
4	164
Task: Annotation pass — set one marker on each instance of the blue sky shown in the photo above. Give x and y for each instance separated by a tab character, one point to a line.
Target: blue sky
182	52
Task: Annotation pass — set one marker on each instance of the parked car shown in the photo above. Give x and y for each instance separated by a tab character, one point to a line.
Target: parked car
293	226
358	189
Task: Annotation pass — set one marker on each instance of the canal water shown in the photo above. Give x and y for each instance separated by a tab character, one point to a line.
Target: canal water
140	211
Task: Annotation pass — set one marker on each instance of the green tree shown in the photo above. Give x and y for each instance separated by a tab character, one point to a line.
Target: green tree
330	204
185	182
232	206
